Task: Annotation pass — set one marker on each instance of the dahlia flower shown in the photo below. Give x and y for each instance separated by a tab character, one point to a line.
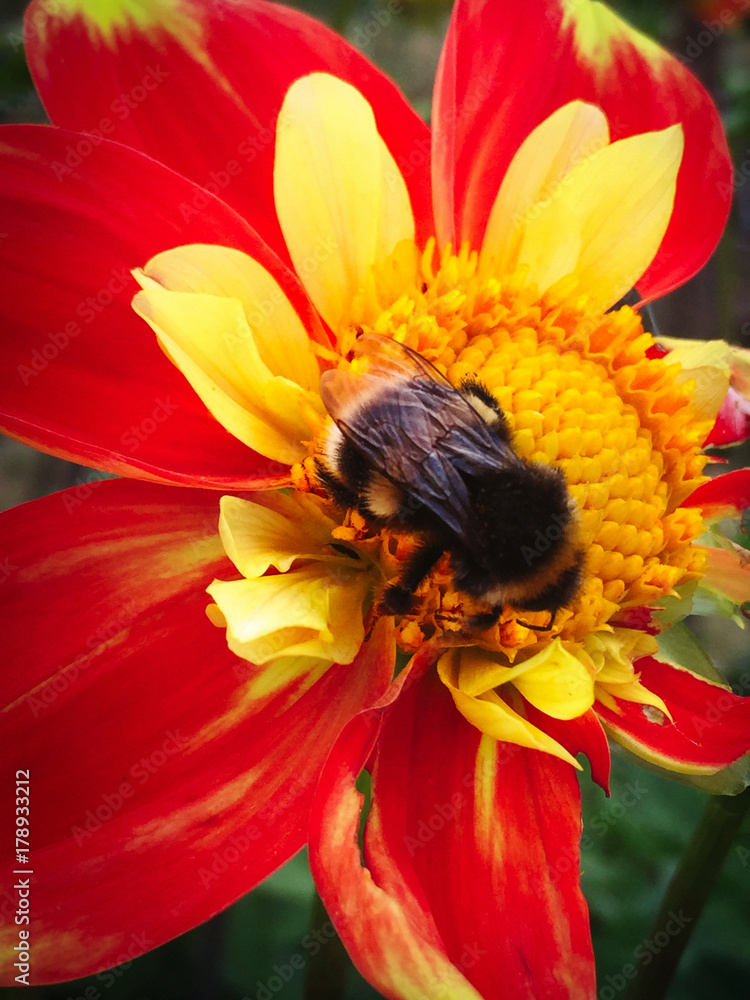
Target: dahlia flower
231	202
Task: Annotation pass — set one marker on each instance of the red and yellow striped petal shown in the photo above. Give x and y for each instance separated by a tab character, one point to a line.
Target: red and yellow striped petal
471	855
393	942
82	375
185	778
227	65
710	728
490	95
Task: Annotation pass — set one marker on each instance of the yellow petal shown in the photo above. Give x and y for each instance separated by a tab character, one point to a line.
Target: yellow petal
636	692
274	530
570	135
478	672
304	612
605	223
341	200
706	362
615	673
209	340
282	341
615	650
556	682
494	717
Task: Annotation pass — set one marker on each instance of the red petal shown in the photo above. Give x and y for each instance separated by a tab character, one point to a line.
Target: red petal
723	494
581	735
733	422
641	618
158	793
392	940
82	375
473	844
205	99
491	94
711	727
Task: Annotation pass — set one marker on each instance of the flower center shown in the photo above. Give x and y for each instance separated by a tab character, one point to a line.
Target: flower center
580	393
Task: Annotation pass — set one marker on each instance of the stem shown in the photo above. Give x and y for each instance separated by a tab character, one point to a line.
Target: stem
688	891
328	968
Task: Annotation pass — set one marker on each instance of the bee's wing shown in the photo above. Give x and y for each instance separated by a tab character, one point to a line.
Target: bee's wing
416	429
389	358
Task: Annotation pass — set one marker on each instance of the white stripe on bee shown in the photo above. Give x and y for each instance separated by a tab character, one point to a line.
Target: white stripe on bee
490	416
332	447
382	497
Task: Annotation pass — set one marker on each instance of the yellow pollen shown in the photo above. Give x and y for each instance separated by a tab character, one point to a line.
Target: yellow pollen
580	393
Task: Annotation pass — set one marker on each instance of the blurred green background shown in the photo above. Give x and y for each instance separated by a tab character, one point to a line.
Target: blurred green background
634	839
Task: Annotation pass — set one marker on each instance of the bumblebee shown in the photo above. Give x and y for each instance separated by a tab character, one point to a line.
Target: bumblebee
414	453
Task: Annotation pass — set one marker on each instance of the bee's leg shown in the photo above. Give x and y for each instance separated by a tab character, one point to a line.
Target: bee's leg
486	619
541	628
399	597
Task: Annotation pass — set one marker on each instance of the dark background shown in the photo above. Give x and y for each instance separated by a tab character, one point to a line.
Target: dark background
634	839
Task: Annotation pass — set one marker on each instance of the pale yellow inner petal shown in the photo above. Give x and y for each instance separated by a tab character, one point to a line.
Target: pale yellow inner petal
490	713
208	338
341	200
282	341
304	612
612	655
706	362
274	530
542	162
605	223
557	683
